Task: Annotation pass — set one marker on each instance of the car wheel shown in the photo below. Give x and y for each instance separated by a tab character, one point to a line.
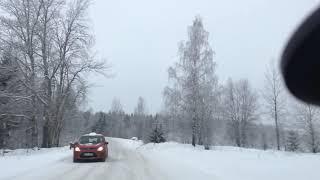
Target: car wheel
75	160
103	160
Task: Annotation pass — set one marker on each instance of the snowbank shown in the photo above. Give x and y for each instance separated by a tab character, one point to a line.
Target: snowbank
229	163
20	161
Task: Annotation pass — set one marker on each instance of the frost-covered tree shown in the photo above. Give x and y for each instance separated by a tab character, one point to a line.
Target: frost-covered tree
12	101
292	142
141	120
308	116
157	136
51	44
140	109
19	27
116	118
193	84
240	110
263	138
116	106
274	97
264	142
101	125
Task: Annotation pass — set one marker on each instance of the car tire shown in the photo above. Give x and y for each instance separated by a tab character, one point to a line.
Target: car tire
103	160
75	160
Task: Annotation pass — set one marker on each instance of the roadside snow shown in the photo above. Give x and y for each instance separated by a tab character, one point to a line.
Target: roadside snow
230	163
20	161
131	160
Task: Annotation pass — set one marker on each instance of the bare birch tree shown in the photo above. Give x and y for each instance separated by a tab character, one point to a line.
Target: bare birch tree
141	107
116	106
178	128
273	95
240	109
308	116
142	121
73	43
52	46
193	80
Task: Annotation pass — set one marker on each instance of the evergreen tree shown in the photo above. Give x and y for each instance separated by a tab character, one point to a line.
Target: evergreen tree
10	107
157	136
101	124
292	141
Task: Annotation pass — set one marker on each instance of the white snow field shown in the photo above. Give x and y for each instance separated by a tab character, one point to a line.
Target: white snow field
130	160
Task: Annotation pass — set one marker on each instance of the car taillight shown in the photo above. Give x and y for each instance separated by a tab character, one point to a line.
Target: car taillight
100	148
77	149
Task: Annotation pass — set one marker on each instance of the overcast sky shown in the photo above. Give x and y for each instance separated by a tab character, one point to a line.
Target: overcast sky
140	39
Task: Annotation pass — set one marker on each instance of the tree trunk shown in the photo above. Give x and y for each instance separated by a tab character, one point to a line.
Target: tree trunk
45	135
238	134
34	124
194	130
34	132
314	148
277	125
193	140
48	134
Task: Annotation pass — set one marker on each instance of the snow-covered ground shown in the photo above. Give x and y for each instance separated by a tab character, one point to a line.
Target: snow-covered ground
231	163
130	160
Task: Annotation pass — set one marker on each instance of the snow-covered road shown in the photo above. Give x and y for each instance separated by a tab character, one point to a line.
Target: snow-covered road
130	160
123	164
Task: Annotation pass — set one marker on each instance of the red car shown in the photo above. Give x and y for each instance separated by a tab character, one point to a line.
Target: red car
90	147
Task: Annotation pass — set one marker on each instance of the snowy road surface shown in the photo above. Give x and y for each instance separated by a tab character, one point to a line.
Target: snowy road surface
129	160
123	164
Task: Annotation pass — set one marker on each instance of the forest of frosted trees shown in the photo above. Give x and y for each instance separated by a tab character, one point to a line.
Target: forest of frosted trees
46	51
45	54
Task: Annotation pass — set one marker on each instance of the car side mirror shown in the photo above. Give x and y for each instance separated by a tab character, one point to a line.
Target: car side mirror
106	143
71	145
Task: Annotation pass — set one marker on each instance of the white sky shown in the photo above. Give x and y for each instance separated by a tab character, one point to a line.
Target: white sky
140	39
